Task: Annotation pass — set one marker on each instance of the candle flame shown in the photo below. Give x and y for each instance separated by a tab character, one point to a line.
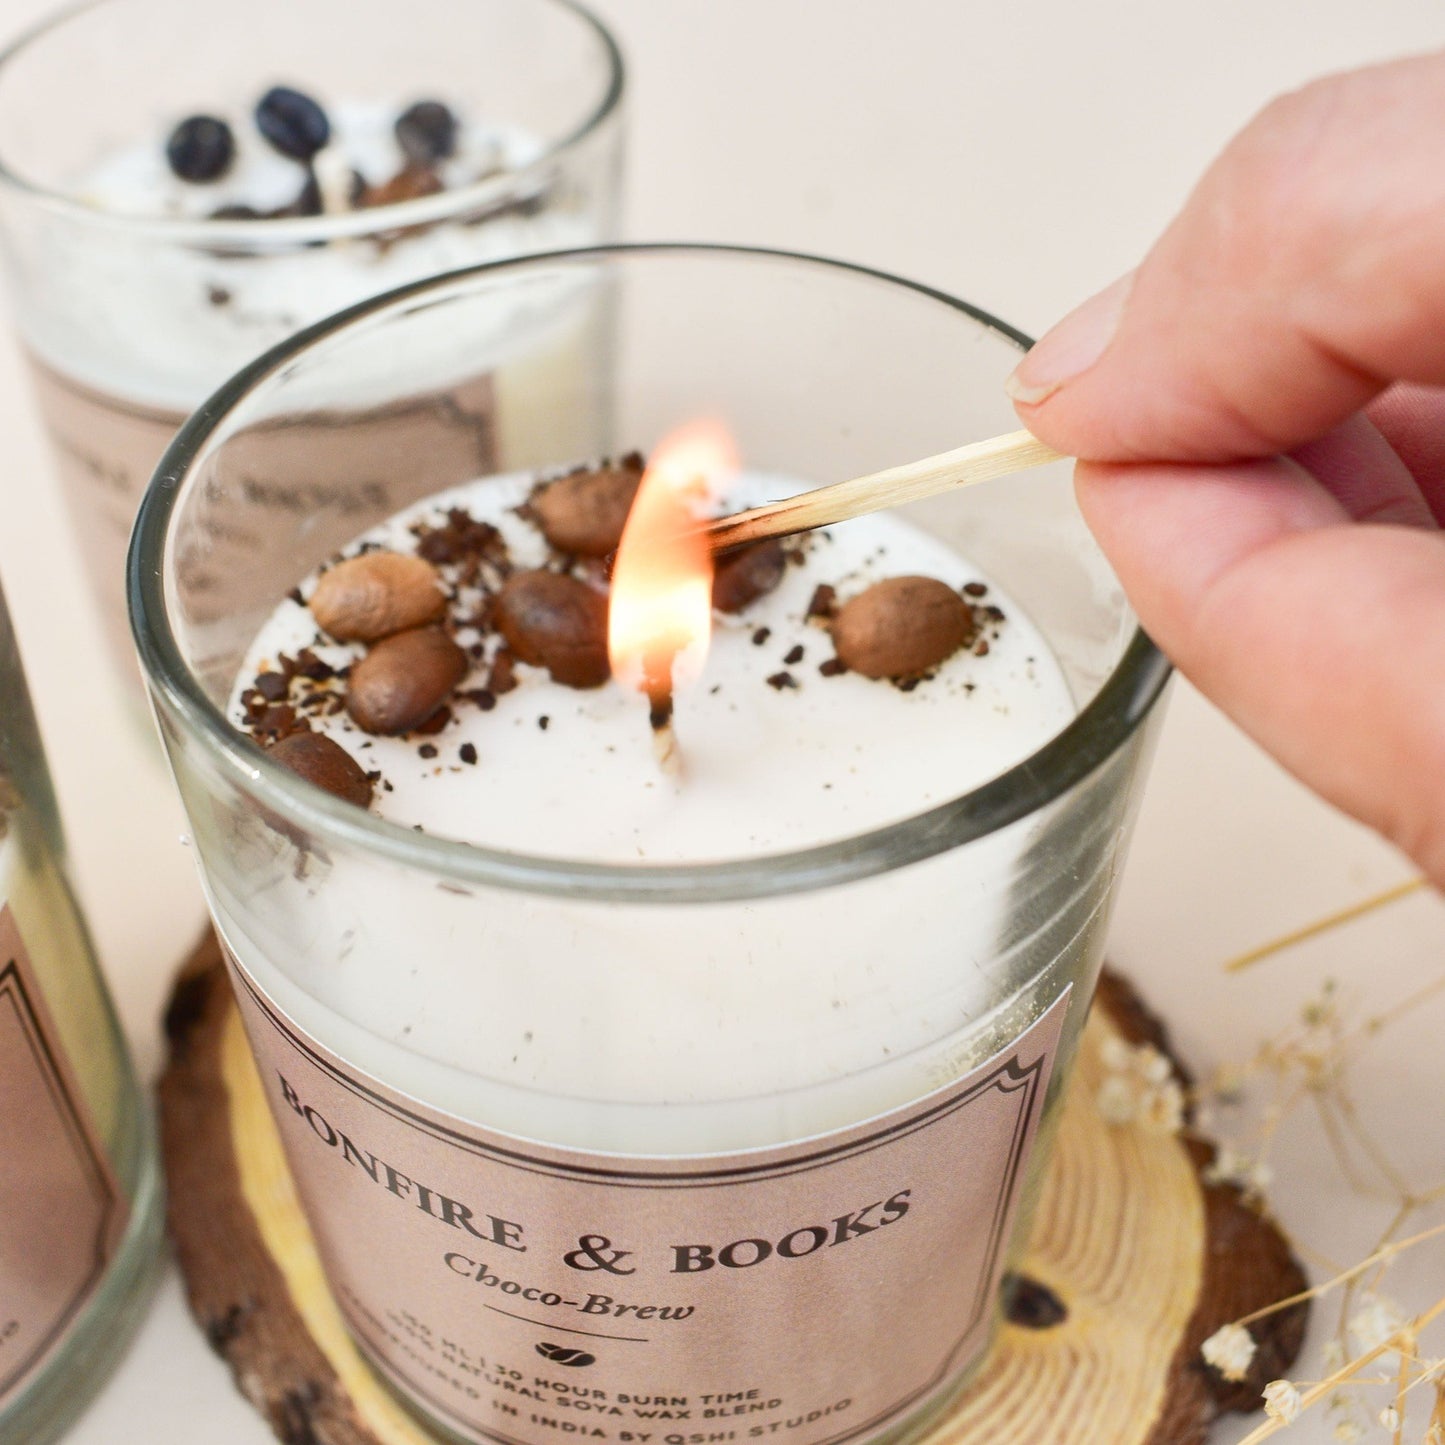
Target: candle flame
661	603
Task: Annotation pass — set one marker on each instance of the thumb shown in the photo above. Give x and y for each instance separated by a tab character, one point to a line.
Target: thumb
1302	276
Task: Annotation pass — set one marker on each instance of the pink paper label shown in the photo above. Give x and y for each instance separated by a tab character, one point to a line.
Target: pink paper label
61	1210
815	1292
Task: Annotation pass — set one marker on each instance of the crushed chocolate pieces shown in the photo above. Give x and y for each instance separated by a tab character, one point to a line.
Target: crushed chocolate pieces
462	540
427	750
981	649
794	654
273	686
761	636
468	754
833	667
782	680
218	296
975	589
823	603
544	722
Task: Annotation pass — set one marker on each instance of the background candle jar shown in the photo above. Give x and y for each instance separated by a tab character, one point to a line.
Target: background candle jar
714	1089
80	1194
278	162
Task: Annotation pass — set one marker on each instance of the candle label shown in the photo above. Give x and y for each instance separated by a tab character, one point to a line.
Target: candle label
62	1213
814	1293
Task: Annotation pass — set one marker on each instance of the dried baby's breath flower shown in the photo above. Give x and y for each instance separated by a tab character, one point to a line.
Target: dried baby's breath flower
1374	1324
1281	1401
1230	1350
1140	1087
1390	1418
1231	1166
1116	1101
1333	1354
1347	1432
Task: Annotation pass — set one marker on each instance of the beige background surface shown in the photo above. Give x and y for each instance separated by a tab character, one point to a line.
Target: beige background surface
1020	155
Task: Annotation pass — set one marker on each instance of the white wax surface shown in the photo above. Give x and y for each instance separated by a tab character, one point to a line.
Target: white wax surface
766	769
133	315
676	1028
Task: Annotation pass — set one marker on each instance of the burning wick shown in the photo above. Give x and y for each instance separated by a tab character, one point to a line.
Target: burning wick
660	615
657	684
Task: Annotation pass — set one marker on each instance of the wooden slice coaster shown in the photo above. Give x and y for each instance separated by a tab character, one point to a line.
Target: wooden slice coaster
1135	1260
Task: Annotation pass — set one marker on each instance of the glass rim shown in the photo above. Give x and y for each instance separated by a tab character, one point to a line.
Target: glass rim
292	231
1096	733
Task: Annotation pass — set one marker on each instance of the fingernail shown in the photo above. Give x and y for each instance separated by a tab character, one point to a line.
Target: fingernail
1071	347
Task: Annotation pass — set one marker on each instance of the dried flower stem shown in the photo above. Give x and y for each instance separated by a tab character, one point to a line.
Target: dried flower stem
1380	1255
1351	1370
1323	925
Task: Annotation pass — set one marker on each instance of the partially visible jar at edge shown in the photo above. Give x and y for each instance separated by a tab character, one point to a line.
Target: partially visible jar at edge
80	1193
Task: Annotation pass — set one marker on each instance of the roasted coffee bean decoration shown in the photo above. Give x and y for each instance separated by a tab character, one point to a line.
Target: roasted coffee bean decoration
427	132
404	680
293	122
565	1355
376	594
555	621
1031	1305
323	761
201	148
902	627
584	513
747	574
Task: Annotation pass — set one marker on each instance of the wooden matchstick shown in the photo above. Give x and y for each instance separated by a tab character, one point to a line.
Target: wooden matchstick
962	467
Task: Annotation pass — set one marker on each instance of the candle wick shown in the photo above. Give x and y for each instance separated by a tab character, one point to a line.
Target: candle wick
657	684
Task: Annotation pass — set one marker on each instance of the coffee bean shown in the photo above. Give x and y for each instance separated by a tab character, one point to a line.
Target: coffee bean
902	627
745	575
403	680
293	123
201	148
427	132
584	513
323	761
556	622
378	593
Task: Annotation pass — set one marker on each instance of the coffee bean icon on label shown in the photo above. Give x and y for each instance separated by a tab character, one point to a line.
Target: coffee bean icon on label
565	1355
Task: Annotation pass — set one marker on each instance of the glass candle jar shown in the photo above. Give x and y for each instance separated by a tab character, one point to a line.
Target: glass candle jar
80	1193
740	1133
136	293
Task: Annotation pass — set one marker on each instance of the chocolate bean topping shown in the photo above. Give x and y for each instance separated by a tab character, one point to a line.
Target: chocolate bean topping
323	761
403	680
375	595
292	122
201	148
584	513
902	627
556	622
427	132
745	575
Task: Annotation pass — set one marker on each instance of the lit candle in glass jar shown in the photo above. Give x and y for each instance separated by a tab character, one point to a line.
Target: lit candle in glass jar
711	1090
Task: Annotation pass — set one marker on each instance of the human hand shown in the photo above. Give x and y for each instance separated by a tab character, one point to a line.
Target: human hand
1260	411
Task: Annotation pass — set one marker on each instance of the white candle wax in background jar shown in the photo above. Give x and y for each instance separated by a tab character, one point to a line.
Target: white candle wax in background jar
80	1191
147	261
748	1116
